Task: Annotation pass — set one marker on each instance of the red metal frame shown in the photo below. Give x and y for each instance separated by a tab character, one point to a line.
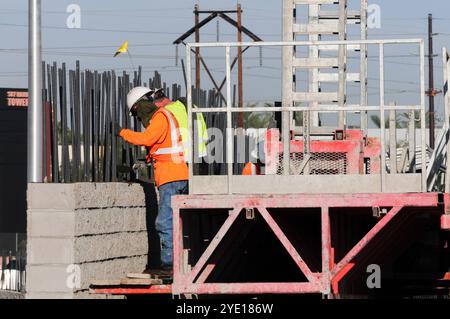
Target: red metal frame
192	280
354	146
150	290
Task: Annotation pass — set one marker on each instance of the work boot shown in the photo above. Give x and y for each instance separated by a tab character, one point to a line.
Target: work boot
166	272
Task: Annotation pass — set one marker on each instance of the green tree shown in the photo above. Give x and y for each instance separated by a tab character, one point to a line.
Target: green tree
402	120
257	119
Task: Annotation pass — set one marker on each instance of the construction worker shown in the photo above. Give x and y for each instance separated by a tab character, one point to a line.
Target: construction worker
163	140
179	110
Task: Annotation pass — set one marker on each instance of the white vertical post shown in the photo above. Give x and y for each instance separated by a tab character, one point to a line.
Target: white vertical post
363	67
230	135
343	4
393	140
382	120
288	77
35	125
423	116
313	73
445	63
190	118
445	60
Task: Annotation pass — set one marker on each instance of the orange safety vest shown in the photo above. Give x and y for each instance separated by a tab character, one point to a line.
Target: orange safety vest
171	149
168	157
251	169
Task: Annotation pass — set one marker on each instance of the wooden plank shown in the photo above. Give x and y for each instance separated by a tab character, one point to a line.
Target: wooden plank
105	283
139	276
140	282
146	276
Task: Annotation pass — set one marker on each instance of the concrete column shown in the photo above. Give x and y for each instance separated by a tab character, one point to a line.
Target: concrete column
78	233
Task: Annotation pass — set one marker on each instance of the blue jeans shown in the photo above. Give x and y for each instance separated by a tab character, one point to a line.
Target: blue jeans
164	221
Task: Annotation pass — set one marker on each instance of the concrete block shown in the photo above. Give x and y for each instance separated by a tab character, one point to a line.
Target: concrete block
49	279
110	269
43	223
98	221
101	195
98	228
110	246
50	251
109	220
50	196
134	219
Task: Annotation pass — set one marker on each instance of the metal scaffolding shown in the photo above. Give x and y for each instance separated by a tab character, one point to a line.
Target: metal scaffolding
379	181
321	68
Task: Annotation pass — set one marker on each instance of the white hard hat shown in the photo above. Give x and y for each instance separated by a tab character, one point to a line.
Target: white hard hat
136	94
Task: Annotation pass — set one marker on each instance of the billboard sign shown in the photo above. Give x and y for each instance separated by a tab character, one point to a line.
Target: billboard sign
13	98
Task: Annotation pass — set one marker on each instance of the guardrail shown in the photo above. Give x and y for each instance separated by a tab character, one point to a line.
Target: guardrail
12	272
229	110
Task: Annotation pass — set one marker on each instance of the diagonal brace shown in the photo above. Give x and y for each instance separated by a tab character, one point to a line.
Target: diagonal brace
213	245
288	245
365	241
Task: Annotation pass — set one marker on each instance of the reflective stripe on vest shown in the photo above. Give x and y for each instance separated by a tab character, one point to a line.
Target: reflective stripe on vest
173	136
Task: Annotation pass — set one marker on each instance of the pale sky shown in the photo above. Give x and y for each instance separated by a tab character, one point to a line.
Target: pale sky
152	26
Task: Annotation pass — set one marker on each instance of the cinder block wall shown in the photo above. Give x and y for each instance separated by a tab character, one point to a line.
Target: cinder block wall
83	232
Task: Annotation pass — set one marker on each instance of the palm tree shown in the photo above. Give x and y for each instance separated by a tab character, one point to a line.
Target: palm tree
402	120
257	119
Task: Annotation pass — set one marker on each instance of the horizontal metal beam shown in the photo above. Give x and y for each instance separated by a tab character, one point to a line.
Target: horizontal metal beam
216	11
315	63
304	43
334	77
307	200
320	108
316	28
309	2
252	288
151	290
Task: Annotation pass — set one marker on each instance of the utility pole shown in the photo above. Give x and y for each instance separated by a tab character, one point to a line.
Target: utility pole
241	30
431	91
35	124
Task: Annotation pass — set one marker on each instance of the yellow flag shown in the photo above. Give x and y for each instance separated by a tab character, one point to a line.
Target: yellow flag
123	48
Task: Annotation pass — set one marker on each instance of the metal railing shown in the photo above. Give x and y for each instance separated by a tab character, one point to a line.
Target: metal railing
13	270
382	108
